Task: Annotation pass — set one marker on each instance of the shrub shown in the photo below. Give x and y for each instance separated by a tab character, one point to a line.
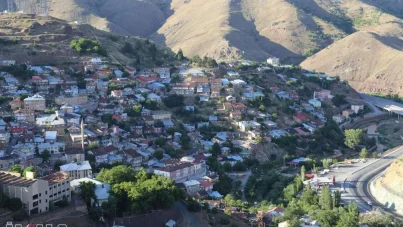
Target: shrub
21	215
224	221
13	204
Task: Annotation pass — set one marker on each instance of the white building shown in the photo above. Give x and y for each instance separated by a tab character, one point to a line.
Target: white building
35	194
315	103
182	171
273	61
77	170
52	147
101	189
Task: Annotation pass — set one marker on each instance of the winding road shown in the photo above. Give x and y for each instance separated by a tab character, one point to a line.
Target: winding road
357	184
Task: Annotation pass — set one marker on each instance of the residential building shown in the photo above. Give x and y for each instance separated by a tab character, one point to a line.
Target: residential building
77	170
74	154
101	190
35	102
52	147
347	113
25	115
101	154
322	95
338	118
192	187
59	186
4	138
273	61
357	107
161	115
182	171
35	194
315	103
71	100
6	162
15	104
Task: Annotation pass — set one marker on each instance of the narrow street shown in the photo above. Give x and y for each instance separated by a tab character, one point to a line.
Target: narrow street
189	219
244	180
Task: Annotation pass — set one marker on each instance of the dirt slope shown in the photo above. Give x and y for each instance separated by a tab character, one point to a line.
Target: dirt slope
388	188
46	40
135	17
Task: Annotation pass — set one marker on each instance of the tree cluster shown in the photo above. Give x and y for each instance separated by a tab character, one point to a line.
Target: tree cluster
205	62
87	46
138	191
324	208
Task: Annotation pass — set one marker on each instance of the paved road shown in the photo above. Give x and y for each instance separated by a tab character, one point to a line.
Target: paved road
189	219
357	184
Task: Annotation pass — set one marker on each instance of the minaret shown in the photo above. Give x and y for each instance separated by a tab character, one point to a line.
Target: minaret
82	133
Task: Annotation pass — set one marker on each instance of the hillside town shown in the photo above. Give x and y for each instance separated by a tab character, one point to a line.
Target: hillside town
64	124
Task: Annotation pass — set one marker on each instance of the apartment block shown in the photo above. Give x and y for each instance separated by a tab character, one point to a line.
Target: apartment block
35	102
35	194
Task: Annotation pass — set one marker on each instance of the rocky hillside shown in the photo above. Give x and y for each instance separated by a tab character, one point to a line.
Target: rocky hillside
46	40
388	188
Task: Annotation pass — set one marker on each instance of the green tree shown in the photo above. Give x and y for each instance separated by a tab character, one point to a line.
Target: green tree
87	193
364	153
216	149
239	166
326	218
326	201
110	207
30	169
327	162
16	169
353	137
259	139
13	204
158	154
294	222
160	141
349	217
374	154
336	198
117	174
45	155
179	55
303	172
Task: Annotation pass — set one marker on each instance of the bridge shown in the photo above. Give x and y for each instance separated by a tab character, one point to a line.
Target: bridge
390	106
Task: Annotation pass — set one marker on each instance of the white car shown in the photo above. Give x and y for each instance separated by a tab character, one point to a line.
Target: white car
369	203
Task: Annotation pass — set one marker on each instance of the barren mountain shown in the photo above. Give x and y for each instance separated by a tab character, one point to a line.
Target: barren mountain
255	30
370	60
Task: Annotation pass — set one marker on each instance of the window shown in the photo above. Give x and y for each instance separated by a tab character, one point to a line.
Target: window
54	186
40	201
35	196
55	194
50	188
34	204
40	194
59	192
46	192
68	189
46	201
46	208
